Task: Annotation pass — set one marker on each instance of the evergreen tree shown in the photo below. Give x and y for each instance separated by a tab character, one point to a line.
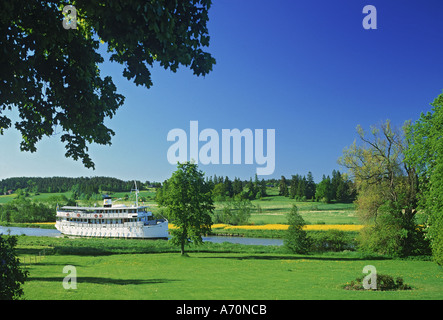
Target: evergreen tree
296	238
335	182
283	187
310	186
342	191
228	187
294	185
237	186
301	188
263	188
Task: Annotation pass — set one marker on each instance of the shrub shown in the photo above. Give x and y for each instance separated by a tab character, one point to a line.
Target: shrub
331	240
11	275
23	210
235	212
392	236
384	283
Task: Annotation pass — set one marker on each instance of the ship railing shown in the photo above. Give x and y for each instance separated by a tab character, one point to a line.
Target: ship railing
74	214
133	224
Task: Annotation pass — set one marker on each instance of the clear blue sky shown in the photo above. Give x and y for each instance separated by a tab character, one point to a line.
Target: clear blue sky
307	69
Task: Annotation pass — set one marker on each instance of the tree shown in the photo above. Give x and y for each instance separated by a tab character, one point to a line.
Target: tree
301	188
387	189
11	276
283	187
335	182
51	74
293	186
235	211
425	152
296	238
342	193
219	192
262	188
189	203
228	187
252	191
237	186
310	186
323	192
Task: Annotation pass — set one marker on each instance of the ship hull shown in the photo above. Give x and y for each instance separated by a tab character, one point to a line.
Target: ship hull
129	230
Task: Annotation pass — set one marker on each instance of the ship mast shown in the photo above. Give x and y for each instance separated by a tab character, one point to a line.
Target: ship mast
136	194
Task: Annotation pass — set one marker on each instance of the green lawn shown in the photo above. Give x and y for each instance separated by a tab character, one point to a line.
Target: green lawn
273	209
6	198
138	269
224	276
141	269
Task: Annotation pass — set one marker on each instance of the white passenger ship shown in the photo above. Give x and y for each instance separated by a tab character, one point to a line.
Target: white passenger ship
114	221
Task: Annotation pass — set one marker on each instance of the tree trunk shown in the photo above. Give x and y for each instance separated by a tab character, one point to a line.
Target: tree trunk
182	247
182	242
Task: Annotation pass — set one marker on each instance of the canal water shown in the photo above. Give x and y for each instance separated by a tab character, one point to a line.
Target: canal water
16	231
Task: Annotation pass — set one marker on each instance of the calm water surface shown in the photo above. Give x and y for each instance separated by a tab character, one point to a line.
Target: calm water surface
17	231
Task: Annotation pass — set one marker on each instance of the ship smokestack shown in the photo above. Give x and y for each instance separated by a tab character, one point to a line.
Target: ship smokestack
107	202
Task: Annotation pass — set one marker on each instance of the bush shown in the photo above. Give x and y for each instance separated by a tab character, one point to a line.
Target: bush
392	236
234	212
384	283
11	275
23	210
331	240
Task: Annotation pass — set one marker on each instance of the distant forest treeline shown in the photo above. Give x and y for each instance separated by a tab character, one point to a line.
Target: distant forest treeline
301	188
63	184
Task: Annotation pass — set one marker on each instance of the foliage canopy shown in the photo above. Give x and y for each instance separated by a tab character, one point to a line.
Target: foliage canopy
426	153
51	75
387	191
11	276
188	199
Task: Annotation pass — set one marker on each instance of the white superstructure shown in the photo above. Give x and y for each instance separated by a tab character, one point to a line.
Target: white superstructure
115	221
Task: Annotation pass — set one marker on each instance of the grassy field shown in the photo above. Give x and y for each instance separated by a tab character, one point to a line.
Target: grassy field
274	210
135	269
143	269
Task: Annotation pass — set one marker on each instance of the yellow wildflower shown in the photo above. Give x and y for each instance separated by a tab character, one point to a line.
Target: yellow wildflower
310	227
